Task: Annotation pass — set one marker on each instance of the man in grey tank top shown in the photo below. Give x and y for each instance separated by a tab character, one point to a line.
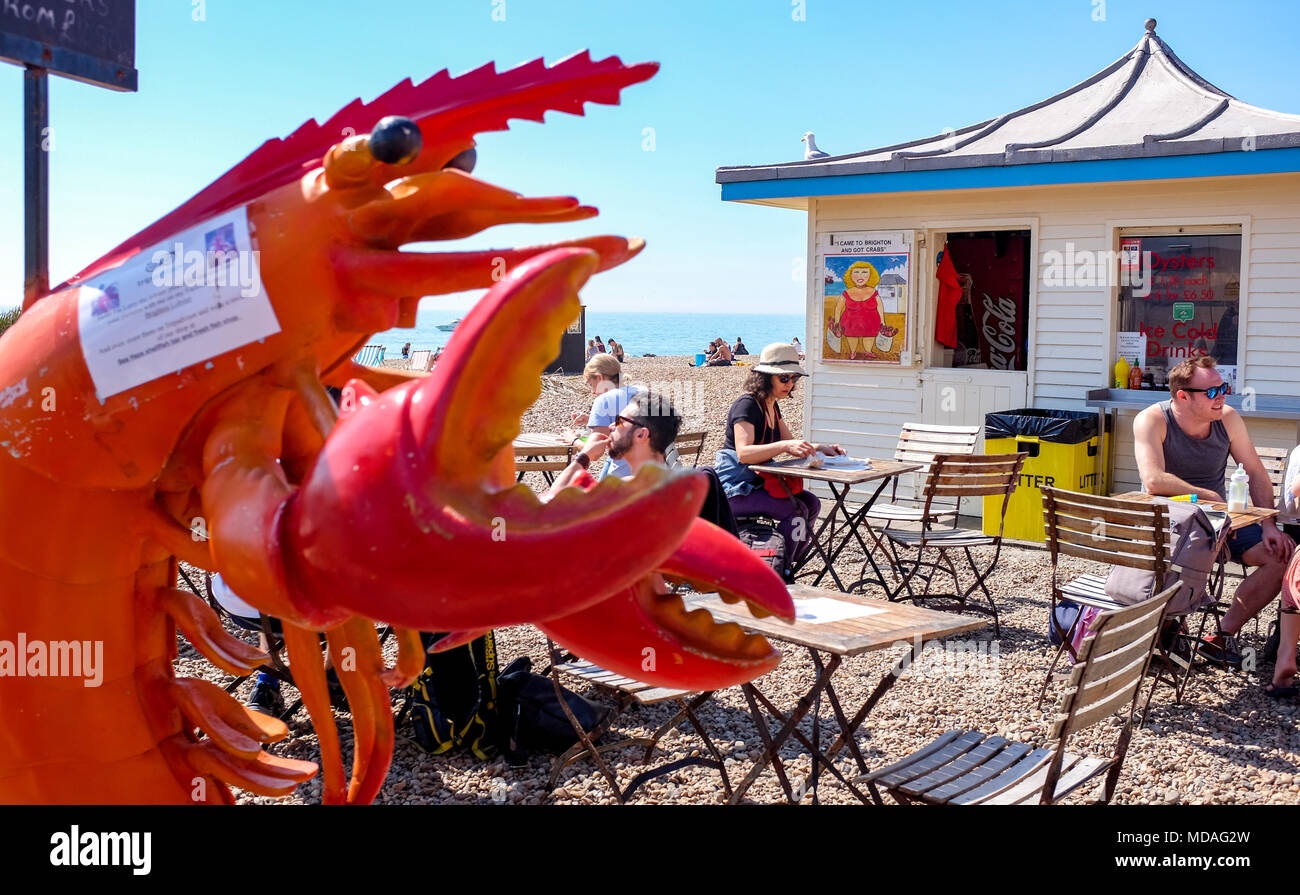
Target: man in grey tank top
1182	447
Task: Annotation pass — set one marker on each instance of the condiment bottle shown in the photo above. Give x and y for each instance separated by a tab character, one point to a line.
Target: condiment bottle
1121	373
1135	375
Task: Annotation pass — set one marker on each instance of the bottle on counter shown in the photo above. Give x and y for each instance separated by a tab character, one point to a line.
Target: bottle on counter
1121	373
1238	490
1135	375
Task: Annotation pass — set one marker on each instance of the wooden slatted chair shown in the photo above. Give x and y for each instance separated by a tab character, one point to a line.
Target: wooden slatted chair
919	443
1103	529
1274	460
965	767
689	447
958	475
629	692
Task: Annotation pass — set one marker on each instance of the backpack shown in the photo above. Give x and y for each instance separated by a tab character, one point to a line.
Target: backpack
531	716
454	700
1194	550
760	535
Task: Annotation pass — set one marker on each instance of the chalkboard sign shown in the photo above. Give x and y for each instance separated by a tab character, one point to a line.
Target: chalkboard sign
87	40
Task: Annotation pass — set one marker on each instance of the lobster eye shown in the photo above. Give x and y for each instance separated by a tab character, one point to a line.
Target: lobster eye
463	161
396	140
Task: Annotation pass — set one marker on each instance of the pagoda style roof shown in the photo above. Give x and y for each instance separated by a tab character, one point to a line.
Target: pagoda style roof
1147	104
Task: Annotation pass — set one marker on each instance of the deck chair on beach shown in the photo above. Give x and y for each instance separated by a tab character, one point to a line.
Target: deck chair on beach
966	767
628	693
420	360
370	356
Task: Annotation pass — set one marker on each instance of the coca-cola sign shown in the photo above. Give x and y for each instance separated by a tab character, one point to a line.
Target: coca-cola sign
995	264
998	329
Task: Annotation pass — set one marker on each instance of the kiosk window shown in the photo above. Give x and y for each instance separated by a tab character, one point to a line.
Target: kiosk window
1186	303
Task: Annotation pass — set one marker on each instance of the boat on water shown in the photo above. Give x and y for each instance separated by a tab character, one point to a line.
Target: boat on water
448	327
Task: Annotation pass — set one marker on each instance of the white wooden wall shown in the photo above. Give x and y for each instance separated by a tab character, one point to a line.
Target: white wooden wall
1071	339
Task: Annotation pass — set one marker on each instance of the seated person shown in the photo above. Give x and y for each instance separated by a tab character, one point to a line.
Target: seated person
757	433
603	375
644	433
1182	447
265	697
740	347
721	356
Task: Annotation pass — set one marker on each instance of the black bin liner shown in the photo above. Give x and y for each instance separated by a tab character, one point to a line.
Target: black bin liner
1060	426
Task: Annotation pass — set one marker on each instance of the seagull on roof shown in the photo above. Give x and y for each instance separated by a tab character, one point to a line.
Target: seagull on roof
811	150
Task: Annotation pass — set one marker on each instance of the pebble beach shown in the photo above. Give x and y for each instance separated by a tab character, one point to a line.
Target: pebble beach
1226	743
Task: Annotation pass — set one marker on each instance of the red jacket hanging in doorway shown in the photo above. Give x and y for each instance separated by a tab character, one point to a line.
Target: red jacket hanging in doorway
945	320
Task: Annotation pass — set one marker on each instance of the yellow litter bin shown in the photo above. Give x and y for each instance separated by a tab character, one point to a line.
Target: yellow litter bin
1062	447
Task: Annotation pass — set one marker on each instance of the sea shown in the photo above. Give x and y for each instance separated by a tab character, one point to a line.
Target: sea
639	333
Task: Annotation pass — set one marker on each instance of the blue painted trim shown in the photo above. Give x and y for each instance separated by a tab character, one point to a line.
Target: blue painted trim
1218	164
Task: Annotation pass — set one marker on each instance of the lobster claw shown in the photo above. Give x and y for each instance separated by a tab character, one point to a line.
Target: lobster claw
644	632
400	518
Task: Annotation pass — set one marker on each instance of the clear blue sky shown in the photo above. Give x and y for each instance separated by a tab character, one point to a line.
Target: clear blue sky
740	83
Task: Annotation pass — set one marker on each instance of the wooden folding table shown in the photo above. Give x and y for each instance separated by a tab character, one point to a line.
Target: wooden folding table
828	643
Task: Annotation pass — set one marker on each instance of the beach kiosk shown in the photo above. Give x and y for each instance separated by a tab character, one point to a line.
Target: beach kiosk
1143	213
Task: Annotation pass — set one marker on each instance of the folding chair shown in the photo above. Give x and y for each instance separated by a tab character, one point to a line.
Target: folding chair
274	666
966	767
370	356
1274	460
953	475
628	692
420	360
689	446
1120	533
919	443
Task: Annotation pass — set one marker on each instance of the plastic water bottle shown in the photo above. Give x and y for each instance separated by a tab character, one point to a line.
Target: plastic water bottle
1238	490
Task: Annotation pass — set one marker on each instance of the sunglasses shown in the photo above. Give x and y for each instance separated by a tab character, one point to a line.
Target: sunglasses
783	378
1213	391
636	424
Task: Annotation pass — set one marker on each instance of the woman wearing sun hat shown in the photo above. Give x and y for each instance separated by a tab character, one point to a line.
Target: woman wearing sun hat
757	433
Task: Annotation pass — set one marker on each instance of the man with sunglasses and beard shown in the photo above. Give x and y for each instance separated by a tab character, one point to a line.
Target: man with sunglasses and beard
1182	447
643	433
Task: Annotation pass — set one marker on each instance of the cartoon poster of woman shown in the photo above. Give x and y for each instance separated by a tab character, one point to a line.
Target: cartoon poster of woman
864	297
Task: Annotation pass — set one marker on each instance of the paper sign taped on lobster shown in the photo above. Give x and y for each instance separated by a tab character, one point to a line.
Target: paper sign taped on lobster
174	305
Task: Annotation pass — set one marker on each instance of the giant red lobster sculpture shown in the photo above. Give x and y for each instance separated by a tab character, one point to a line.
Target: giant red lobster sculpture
140	406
